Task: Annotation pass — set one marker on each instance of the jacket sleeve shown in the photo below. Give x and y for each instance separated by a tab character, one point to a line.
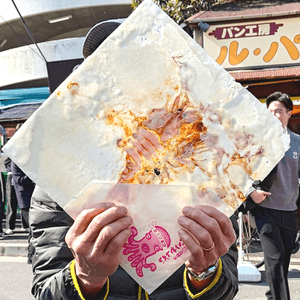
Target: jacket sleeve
264	185
7	164
19	176
225	284
52	260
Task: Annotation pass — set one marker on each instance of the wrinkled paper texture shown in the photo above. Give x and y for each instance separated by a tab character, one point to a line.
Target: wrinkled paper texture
215	137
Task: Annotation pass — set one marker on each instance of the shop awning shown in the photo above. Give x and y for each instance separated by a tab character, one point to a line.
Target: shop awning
22	96
19	104
19	112
266	73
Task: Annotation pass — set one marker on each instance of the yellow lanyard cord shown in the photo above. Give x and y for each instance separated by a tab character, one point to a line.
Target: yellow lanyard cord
140	294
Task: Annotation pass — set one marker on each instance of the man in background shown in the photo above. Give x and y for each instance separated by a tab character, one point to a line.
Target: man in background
11	200
24	187
2	192
276	212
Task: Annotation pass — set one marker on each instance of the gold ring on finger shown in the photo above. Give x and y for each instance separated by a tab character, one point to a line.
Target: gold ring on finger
213	245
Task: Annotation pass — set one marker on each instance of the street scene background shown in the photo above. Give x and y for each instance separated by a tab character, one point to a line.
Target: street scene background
16	273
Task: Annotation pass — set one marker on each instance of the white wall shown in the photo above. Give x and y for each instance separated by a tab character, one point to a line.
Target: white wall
23	64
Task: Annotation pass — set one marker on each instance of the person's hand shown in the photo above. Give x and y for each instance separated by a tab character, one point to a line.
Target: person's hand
207	233
96	239
259	196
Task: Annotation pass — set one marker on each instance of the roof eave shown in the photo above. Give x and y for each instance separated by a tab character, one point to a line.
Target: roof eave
243	17
244	75
12	120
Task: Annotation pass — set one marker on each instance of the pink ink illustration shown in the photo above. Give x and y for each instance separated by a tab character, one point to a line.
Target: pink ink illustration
157	239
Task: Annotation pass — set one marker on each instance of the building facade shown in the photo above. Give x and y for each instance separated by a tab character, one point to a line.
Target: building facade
258	43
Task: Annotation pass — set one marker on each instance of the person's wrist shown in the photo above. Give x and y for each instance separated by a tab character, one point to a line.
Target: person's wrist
90	286
197	284
205	274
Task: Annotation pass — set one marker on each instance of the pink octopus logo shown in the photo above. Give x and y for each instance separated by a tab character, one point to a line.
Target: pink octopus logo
157	239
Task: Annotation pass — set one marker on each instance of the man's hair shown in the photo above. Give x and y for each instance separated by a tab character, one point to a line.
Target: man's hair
281	97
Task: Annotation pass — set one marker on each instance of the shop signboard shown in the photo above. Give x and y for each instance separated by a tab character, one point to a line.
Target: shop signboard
254	45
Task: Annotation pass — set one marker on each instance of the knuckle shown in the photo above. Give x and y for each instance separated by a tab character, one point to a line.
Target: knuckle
120	239
206	236
77	249
110	230
225	221
84	214
119	210
68	239
97	221
213	224
232	238
212	227
206	208
127	233
128	221
107	232
223	249
188	240
194	214
184	221
117	243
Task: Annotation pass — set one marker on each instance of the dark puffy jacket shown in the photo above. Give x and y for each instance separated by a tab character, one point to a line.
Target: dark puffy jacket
53	275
